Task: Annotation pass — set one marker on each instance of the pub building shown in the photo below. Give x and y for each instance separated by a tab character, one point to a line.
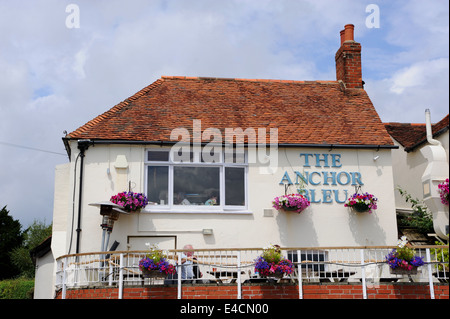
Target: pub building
211	154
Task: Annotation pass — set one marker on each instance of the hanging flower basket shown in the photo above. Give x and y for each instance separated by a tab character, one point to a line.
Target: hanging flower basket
362	203
131	202
155	264
402	260
155	274
361	208
443	192
402	271
291	202
272	264
274	274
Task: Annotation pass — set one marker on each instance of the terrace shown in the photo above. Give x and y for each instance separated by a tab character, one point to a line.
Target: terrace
230	273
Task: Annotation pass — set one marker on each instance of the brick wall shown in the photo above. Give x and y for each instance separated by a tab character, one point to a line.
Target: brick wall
348	65
277	291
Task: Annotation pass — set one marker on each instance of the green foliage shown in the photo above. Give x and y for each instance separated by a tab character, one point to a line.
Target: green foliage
272	254
405	253
155	253
33	236
20	288
442	256
20	257
11	237
420	218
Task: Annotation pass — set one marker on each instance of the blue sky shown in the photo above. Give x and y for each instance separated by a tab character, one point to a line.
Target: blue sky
56	78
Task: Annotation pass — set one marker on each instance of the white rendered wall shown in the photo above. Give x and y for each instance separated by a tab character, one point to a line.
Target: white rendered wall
408	169
322	224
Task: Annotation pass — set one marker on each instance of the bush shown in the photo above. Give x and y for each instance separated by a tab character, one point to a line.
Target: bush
21	288
420	218
442	255
32	237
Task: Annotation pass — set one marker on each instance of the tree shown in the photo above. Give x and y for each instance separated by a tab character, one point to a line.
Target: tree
10	238
33	236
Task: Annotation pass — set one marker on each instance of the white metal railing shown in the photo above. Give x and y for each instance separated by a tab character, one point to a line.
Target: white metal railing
236	266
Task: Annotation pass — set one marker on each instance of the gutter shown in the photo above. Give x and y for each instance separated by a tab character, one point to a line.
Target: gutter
341	146
171	143
67	146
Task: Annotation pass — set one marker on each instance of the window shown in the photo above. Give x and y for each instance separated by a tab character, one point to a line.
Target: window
196	185
196	180
309	256
157	184
235	186
155	156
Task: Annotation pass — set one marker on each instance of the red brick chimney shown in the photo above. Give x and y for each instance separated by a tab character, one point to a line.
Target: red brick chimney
348	60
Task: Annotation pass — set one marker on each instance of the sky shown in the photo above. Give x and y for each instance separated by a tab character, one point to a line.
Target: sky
64	62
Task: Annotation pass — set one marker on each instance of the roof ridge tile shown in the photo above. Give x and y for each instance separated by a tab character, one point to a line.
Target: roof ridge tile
207	78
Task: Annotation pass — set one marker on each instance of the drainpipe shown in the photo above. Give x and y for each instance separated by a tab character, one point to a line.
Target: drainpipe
428	128
83	145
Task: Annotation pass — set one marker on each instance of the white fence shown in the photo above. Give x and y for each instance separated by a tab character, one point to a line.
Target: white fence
236	266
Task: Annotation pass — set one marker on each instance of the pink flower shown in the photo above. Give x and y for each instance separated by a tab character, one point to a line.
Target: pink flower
130	201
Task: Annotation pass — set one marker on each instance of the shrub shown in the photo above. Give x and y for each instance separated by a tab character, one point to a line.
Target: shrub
21	288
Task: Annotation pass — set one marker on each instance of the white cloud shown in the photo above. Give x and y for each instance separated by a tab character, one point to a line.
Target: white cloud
405	96
419	29
80	60
412	61
420	74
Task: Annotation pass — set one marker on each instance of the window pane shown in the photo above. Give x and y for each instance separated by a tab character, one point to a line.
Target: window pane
196	185
310	255
210	155
236	156
158	156
183	156
157	184
235	186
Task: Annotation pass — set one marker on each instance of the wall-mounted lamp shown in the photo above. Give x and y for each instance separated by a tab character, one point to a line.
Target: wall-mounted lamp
376	157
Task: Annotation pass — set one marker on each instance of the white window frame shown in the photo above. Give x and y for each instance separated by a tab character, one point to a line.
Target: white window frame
222	165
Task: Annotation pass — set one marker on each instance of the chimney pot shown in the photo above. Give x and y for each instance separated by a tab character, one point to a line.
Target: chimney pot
348	32
342	37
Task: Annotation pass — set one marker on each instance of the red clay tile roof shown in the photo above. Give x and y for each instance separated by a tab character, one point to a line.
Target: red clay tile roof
305	112
411	135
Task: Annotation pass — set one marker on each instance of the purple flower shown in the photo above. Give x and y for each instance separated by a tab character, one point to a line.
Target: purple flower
265	268
296	202
358	199
444	191
394	261
130	201
162	265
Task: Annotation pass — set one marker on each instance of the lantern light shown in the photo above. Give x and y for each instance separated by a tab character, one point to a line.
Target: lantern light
110	213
